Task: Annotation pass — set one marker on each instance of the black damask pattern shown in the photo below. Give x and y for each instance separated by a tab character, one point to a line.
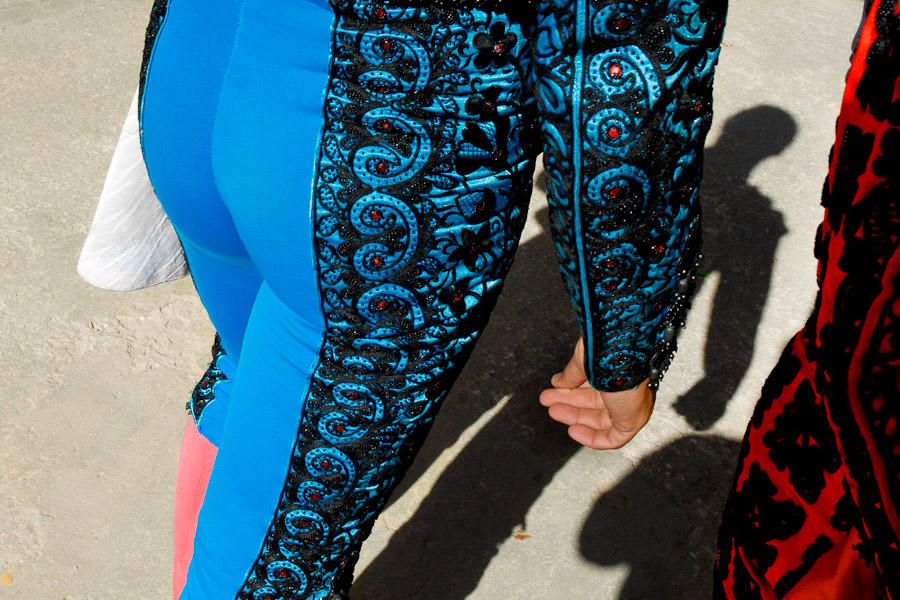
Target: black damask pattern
759	519
846	517
786	370
869	229
802	442
876	87
809	557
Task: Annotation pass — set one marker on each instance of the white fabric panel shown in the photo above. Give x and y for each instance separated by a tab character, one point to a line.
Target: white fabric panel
131	244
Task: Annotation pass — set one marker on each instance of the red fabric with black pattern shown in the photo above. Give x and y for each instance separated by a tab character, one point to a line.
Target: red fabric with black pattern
813	512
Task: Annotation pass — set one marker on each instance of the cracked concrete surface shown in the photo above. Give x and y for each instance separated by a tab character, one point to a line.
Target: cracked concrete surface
499	504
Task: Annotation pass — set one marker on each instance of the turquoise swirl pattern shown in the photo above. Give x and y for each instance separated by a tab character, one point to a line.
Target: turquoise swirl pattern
625	91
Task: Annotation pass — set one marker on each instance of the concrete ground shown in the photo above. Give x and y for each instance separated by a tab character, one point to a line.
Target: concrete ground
499	505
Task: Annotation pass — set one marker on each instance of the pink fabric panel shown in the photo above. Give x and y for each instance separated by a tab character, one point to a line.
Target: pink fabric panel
194	467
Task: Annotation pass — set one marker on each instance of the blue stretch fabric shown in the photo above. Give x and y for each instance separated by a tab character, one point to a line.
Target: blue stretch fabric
349	182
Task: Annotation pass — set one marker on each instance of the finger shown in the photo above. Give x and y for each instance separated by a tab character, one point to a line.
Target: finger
581	397
603	439
572	376
593	418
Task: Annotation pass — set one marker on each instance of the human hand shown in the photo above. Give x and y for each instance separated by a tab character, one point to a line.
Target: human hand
598	420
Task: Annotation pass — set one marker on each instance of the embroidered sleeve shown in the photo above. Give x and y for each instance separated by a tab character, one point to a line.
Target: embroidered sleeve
625	94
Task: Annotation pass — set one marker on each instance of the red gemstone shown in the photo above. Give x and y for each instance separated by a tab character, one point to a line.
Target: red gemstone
458	296
623	22
325	464
497	154
615	70
375	214
499	48
387	45
382	89
659	249
377	261
698	105
281	573
379	12
479	206
339	428
385	125
613	133
609	263
381	167
489	105
609	286
315	496
614	192
302	523
382	304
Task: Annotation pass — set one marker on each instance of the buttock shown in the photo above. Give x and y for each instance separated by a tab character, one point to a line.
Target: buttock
285	125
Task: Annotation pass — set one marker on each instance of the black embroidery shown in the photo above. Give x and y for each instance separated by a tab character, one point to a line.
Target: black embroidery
759	519
204	391
802	442
810	556
157	17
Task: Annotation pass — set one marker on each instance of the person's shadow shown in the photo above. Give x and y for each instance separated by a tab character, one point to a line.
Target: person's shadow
480	498
663	518
741	230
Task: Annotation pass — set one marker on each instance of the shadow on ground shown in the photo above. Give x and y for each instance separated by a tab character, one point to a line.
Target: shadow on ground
662	519
741	231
